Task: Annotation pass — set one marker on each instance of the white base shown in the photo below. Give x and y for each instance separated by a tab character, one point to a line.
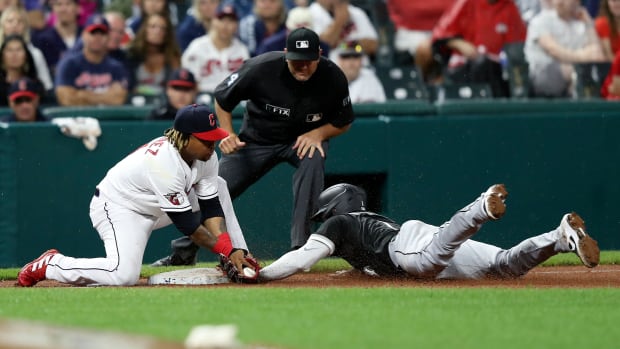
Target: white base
195	276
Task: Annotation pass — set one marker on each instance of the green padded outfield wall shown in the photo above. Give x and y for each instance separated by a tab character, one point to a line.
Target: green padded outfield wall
553	158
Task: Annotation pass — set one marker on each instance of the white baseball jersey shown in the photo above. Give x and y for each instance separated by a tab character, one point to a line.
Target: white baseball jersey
360	26
366	88
211	66
154	179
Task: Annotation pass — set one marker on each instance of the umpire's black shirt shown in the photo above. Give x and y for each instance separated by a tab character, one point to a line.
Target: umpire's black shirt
279	108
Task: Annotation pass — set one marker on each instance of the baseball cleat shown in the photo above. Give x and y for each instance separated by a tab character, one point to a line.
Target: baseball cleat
494	201
34	271
573	231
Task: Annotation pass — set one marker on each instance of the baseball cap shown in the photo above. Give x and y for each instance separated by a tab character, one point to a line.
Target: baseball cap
302	44
182	77
199	121
226	10
23	87
350	49
96	21
297	17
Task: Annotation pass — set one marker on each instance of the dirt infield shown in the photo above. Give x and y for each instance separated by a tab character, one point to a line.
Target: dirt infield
541	277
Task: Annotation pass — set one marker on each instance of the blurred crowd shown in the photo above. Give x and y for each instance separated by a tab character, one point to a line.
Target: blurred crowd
170	53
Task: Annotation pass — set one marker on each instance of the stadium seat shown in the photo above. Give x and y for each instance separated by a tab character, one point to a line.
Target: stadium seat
590	77
454	90
402	82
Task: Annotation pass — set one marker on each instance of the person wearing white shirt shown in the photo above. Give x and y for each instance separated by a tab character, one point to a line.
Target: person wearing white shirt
364	85
215	55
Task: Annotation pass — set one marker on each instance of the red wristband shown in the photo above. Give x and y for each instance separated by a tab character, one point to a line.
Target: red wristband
223	245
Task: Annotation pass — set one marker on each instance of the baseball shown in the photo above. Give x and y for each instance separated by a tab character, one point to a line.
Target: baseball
249	272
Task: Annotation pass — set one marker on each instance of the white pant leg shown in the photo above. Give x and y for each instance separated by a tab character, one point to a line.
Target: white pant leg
409	40
124	233
473	260
424	250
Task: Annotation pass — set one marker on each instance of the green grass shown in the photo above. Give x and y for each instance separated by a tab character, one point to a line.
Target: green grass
339	318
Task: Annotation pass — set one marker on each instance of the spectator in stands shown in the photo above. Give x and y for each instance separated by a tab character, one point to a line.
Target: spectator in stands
338	22
197	21
91	77
54	41
364	85
296	17
414	21
17	63
555	40
470	36
266	20
14	20
180	91
118	38
23	98
610	89
530	8
153	55
147	8
215	55
86	8
608	27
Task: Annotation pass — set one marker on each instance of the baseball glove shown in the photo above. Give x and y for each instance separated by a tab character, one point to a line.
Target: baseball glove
234	275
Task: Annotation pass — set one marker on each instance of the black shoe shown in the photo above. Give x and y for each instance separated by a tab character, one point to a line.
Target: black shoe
173	260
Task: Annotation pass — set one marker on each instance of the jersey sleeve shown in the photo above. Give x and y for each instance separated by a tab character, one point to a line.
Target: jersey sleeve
345	114
453	21
170	191
232	90
206	187
166	179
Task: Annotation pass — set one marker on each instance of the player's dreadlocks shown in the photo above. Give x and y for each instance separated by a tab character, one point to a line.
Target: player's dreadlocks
177	138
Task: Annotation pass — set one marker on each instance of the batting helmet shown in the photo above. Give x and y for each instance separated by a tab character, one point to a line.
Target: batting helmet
339	199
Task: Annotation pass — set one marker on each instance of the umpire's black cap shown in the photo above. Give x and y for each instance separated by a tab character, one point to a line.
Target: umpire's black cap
302	44
199	121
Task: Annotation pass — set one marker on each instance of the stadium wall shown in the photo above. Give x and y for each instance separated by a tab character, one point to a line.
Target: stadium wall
418	161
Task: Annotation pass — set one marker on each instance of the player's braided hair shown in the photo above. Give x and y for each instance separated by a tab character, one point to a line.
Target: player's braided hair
177	138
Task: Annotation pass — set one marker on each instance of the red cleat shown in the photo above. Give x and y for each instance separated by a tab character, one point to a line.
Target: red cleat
34	271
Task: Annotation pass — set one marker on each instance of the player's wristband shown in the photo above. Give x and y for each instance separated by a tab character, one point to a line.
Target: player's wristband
223	245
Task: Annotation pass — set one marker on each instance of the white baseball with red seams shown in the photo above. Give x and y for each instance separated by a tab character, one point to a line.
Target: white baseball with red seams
249	272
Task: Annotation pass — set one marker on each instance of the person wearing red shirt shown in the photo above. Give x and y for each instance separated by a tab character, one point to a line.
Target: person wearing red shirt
414	21
608	27
470	37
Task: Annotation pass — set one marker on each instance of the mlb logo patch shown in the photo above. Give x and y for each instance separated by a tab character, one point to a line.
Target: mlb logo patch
302	44
314	117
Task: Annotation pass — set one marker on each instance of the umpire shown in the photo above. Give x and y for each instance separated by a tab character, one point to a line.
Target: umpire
296	101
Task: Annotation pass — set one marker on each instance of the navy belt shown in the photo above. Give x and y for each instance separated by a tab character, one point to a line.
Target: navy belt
97	192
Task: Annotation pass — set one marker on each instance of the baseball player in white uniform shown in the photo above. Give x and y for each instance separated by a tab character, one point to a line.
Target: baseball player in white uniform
171	179
379	246
215	55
